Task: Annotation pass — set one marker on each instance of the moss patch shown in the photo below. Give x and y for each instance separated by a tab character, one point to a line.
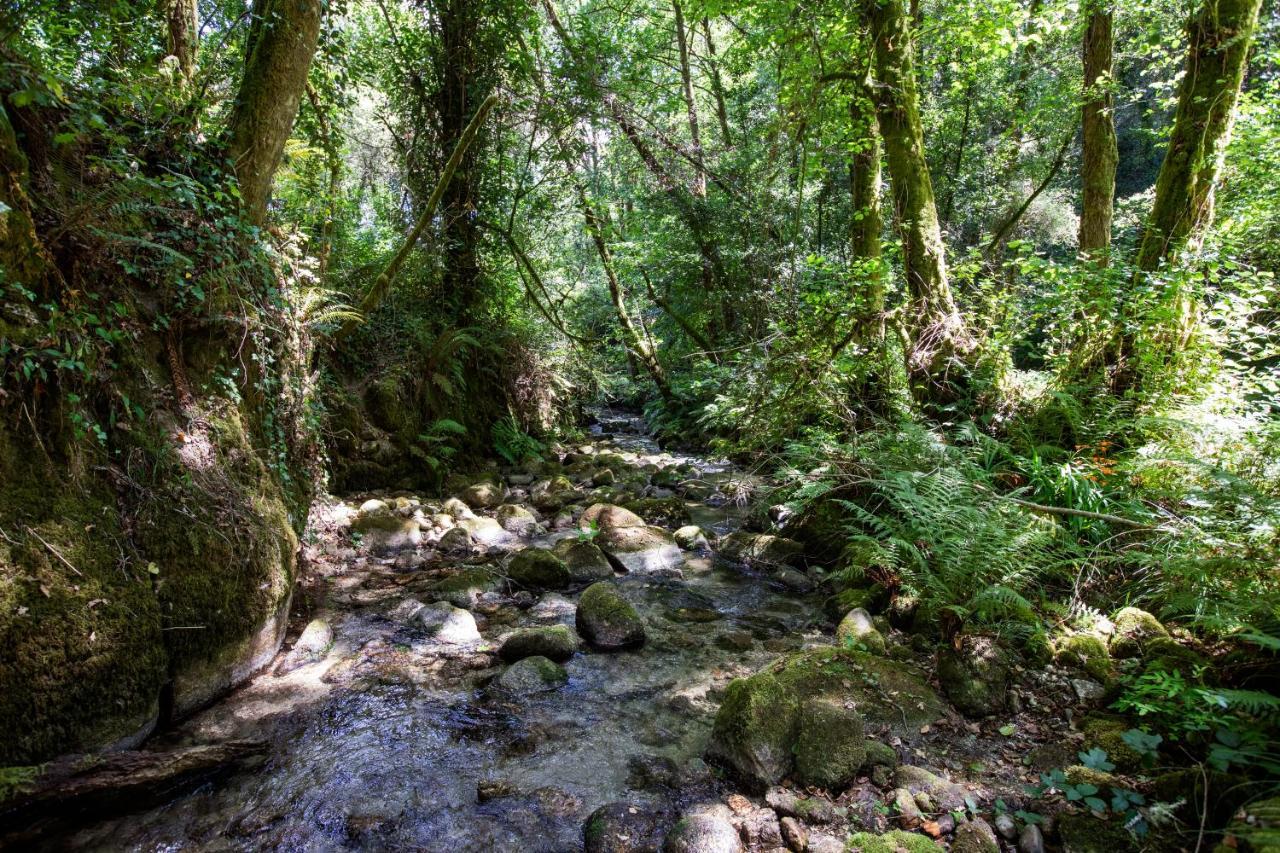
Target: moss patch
1084	652
896	841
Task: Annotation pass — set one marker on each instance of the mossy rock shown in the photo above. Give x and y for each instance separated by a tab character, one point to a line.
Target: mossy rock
975	836
1168	655
975	676
463	588
895	841
1078	774
84	657
830	745
756	728
1134	628
529	676
1084	833
879	755
1106	732
387	410
1084	652
606	620
665	512
586	562
555	643
538	568
857	630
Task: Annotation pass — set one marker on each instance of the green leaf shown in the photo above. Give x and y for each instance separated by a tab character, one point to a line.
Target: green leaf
1007	730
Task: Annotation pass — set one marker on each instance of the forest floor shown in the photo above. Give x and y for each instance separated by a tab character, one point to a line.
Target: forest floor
391	721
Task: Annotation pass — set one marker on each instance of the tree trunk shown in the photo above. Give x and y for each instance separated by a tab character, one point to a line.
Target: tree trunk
182	29
865	224
1099	153
1220	35
691	106
937	328
283	38
717	85
630	334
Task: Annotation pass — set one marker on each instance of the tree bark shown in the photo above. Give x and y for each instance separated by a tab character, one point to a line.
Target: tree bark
1099	152
182	30
1220	35
937	328
865	224
283	37
691	106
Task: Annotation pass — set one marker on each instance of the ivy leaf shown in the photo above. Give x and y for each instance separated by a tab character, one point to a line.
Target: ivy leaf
1095	804
1096	759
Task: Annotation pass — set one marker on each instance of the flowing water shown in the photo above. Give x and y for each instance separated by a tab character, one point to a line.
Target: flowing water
390	741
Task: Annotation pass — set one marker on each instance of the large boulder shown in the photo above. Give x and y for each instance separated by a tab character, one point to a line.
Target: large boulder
538	568
529	676
606	620
464	588
555	642
757	727
387	533
446	624
641	549
975	676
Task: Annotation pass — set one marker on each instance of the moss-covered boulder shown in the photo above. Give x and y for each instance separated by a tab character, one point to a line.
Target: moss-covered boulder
481	495
602	516
622	828
1106	731
606	620
858	631
1134	628
896	841
757	726
975	676
516	519
975	836
464	588
691	537
1086	653
538	568
830	745
556	643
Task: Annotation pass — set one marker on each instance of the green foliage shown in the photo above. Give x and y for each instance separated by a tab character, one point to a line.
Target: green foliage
513	444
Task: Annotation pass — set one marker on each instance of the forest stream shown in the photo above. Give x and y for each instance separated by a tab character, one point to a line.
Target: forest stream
395	731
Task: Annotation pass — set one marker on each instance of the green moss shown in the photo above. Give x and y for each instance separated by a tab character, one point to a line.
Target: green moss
754	729
895	841
538	568
830	745
665	512
1084	652
1084	833
1078	774
1134	628
1107	732
880	755
83	659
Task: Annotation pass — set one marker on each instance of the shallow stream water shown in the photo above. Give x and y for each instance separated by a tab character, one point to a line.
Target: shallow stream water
391	742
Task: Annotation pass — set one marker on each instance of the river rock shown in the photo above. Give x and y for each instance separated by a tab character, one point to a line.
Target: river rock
464	588
310	647
538	568
457	509
388	534
756	727
603	477
606	620
857	629
447	624
705	829
744	547
691	538
1031	840
486	531
641	549
481	496
975	676
794	834
529	676
943	793
556	643
586	562
621	828
455	540
602	516
514	518
976	836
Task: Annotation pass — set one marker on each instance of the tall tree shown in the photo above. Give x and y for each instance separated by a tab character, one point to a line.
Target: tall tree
865	221
282	43
691	106
1217	53
1099	151
938	330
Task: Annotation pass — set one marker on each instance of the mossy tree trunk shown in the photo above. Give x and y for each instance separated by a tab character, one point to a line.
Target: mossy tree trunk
936	327
282	43
865	224
1099	152
691	106
1219	36
182	31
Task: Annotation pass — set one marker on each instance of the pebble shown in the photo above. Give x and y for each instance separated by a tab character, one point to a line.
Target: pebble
1031	840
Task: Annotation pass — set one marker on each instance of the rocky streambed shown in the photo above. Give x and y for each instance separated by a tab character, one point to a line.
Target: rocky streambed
587	653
